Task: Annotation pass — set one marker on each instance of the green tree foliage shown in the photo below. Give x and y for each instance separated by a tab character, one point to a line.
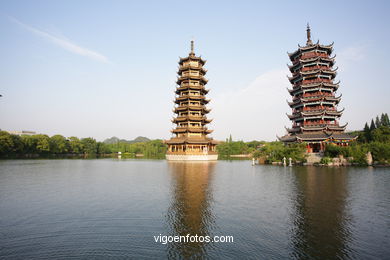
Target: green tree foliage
29	144
89	145
276	151
230	147
75	145
375	139
6	143
372	125
59	144
43	144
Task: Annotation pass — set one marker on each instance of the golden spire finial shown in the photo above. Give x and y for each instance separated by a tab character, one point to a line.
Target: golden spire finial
308	33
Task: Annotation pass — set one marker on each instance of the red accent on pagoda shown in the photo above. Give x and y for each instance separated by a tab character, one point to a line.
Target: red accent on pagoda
315	118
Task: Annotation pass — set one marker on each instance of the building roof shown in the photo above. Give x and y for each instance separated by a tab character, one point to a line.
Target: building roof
318	136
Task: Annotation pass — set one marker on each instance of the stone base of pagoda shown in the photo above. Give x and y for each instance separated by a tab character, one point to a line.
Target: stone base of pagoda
191	157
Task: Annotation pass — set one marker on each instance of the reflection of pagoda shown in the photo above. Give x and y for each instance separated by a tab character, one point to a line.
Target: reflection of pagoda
314	104
321	229
190	209
190	141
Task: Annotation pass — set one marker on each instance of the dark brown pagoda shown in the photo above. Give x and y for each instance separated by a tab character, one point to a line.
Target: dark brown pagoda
190	140
315	118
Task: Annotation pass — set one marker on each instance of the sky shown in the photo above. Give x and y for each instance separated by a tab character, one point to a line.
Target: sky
108	68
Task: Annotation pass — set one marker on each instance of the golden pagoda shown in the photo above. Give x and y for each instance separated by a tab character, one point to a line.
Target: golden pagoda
190	141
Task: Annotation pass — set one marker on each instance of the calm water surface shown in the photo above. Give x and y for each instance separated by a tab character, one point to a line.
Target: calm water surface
111	208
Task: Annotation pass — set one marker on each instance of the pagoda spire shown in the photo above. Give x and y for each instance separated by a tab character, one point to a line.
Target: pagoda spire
308	33
192	46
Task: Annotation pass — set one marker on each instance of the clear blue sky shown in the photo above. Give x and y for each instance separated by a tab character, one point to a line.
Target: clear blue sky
108	68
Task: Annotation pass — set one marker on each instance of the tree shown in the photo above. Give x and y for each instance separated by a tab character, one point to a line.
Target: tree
29	144
372	126
6	143
385	120
102	148
90	146
43	143
377	122
17	144
58	144
366	133
75	145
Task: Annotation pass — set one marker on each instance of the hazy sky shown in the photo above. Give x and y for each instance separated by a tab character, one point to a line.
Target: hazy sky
108	68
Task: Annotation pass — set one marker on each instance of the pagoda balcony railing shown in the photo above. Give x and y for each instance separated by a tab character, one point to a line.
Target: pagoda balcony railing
313	55
318	80
191	117
315	68
193	152
320	122
191	96
186	77
188	127
318	94
318	108
189	74
189	66
184	86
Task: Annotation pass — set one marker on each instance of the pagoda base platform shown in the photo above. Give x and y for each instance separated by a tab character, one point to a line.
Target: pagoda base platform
191	157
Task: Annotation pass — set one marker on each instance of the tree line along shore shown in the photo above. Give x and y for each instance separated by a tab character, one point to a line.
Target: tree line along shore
374	138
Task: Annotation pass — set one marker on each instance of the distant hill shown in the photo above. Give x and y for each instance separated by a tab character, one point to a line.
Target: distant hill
114	140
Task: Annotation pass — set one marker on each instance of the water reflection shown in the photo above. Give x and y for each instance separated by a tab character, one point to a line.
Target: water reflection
190	210
321	228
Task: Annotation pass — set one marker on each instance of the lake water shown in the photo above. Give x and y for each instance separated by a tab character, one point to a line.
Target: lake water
110	208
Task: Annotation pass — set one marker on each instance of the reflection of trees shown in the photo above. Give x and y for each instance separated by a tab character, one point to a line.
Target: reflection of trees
190	212
320	227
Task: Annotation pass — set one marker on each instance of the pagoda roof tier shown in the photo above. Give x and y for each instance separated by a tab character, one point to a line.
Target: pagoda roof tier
191	140
192	57
324	127
191	108
191	118
191	77
314	100
191	67
186	87
192	130
311	83
311	47
303	88
316	113
298	63
293	129
322	112
318	136
316	73
192	97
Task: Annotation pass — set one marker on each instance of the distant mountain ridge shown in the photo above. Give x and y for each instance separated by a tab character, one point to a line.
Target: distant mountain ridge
114	140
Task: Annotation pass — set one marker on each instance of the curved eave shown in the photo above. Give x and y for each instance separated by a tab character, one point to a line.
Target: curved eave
191	130
186	88
191	77
293	130
192	57
305	61
318	72
190	67
302	49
